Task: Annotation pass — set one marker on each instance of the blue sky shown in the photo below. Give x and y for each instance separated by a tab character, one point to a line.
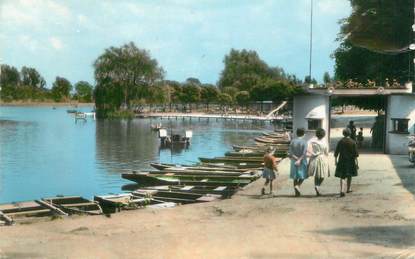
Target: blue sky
189	38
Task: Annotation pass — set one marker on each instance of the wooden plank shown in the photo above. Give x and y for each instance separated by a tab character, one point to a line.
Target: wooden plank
6	219
51	207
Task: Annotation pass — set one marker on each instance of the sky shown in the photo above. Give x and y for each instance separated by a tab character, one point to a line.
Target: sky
189	38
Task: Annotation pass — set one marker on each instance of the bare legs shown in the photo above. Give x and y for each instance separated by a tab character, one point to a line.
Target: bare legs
297	184
317	182
267	181
348	182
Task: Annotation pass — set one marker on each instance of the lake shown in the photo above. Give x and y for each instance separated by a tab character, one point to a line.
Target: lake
43	152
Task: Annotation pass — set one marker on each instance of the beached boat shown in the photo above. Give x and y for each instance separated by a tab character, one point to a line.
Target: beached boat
73	205
272	140
196	176
261	147
199	173
275	134
18	211
248	159
240	165
176	196
126	201
161	166
223	191
146	179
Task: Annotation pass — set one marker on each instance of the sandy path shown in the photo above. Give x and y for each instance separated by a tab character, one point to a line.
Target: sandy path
376	220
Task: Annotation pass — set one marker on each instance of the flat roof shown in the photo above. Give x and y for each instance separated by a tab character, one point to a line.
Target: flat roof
343	91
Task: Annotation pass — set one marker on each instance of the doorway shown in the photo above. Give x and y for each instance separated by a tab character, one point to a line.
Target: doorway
368	115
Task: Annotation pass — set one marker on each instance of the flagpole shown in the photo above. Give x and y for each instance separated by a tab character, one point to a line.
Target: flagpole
311	39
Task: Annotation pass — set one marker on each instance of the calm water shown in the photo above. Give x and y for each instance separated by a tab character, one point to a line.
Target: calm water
43	152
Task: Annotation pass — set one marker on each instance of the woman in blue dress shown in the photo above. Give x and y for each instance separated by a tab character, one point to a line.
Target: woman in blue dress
298	155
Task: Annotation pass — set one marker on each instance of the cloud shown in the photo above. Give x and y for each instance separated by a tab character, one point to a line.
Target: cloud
333	7
34	13
56	43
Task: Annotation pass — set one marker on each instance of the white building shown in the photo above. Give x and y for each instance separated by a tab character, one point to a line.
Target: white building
312	110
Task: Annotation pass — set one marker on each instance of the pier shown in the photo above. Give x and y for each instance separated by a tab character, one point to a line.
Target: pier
217	117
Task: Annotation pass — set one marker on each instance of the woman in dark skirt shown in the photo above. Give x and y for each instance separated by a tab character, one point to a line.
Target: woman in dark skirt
346	161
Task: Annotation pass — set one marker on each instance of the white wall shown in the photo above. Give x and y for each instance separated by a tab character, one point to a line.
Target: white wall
399	106
310	104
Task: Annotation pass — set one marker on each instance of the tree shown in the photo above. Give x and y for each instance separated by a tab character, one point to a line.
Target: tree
374	42
84	91
242	97
193	81
61	89
224	99
209	94
190	93
32	78
380	26
122	74
242	70
9	81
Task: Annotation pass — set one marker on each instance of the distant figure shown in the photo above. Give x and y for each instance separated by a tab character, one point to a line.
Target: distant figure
318	165
346	161
297	153
270	167
360	138
377	132
352	129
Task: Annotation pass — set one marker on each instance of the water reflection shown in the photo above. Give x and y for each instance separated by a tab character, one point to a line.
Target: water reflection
43	152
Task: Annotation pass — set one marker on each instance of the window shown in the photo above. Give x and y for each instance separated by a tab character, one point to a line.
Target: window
314	124
400	126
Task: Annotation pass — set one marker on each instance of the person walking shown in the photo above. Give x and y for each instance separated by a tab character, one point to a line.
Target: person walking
270	167
297	153
346	161
318	165
352	129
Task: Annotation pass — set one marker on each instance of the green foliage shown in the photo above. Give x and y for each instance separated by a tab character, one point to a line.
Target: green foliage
190	94
375	102
25	85
378	25
209	94
374	42
120	114
61	89
84	91
30	77
245	71
224	99
242	97
123	74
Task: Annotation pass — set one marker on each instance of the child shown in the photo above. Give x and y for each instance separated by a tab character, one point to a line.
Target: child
270	167
360	138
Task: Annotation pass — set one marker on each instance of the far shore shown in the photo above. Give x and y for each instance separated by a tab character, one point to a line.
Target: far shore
60	104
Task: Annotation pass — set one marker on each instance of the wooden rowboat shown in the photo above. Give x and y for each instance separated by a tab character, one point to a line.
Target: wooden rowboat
149	180
73	205
175	196
272	140
173	167
126	201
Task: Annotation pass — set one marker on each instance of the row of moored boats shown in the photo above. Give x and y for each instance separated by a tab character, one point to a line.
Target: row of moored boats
166	185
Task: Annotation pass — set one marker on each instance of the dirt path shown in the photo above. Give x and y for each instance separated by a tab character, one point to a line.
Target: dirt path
376	220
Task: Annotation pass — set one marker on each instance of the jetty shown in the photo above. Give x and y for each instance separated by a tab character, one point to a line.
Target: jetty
217	117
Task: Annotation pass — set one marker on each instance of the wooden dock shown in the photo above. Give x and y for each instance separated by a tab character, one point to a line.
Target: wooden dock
217	117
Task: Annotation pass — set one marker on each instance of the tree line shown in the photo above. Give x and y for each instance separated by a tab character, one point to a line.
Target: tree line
29	85
127	76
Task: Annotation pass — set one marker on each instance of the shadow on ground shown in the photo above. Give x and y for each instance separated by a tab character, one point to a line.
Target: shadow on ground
401	236
406	172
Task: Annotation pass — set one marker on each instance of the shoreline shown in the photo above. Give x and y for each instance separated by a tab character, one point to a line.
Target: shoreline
44	104
375	221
